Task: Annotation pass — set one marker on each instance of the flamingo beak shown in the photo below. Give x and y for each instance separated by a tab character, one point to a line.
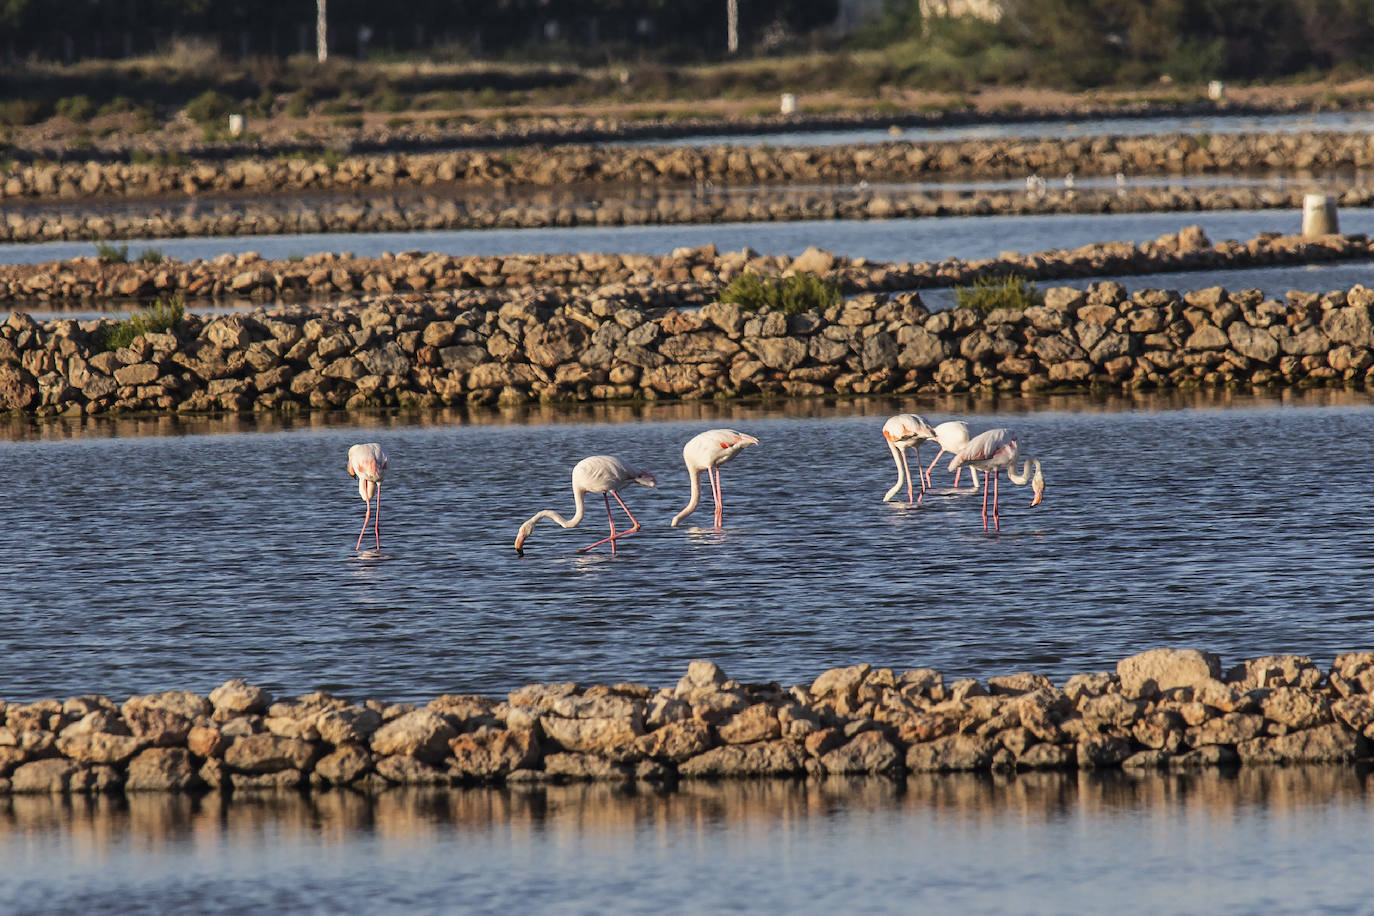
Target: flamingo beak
748	440
1039	495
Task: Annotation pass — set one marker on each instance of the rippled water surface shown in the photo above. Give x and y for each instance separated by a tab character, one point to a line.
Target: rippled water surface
895	240
152	562
1283	840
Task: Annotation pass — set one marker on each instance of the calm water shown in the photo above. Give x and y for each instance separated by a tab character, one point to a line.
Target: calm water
897	240
1265	840
1340	121
150	562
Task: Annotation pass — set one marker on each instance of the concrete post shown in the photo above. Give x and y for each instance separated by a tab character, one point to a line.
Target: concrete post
1319	215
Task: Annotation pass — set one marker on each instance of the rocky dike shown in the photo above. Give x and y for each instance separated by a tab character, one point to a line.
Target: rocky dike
629	328
1167	708
599	185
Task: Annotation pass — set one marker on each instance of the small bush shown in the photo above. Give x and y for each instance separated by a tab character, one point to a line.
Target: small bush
151	256
20	112
112	254
298	106
988	293
76	107
386	99
159	317
790	295
208	107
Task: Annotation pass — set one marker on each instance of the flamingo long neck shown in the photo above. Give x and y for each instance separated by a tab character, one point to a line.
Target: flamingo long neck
901	472
1024	477
693	475
578	504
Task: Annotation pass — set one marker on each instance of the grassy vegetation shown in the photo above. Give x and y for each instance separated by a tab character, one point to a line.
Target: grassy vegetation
161	316
112	254
988	293
790	295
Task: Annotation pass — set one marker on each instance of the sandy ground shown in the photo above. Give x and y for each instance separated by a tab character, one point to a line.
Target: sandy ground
113	133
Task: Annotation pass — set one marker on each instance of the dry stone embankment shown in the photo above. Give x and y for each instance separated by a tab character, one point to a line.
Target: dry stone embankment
1161	709
688	277
559	166
622	342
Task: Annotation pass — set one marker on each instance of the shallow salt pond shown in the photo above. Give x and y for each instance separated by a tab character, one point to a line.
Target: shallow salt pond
170	560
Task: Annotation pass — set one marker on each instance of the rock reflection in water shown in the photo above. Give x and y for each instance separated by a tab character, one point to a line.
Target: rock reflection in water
122	427
579	811
1256	839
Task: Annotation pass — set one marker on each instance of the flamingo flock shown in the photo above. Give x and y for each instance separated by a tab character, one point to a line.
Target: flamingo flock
991	452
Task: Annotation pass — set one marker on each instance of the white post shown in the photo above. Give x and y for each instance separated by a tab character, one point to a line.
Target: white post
321	31
1319	215
732	25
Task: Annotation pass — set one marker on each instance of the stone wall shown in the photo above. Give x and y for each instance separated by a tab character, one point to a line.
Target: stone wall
464	208
613	343
558	166
1164	708
687	277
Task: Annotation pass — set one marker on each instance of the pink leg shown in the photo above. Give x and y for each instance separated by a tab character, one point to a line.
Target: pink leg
985	499
715	492
932	466
614	534
366	517
377	520
920	473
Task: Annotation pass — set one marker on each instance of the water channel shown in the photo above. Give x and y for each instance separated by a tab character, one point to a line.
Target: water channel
175	553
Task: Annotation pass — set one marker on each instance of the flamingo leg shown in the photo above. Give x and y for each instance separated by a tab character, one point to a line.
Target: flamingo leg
907	467
614	534
985	498
920	473
936	461
366	517
714	474
377	519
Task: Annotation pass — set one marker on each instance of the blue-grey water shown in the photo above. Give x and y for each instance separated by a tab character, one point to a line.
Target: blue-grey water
145	563
1337	121
1273	840
896	240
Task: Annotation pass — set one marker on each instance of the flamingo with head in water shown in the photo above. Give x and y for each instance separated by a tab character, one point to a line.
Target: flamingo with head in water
598	474
367	461
902	432
952	435
991	452
707	452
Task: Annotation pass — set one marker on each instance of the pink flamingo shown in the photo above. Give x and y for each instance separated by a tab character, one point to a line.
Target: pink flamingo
902	432
366	462
707	452
597	474
952	436
990	452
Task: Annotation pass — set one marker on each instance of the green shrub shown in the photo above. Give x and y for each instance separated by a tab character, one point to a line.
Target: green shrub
988	293
76	107
19	112
151	256
298	106
159	317
386	99
790	295
208	107
112	254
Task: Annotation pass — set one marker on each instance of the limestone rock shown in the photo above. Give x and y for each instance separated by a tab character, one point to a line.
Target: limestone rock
1145	674
421	734
164	769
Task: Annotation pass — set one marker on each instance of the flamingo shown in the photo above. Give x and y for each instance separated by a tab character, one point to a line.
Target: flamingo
952	436
990	452
597	474
367	461
707	452
902	432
